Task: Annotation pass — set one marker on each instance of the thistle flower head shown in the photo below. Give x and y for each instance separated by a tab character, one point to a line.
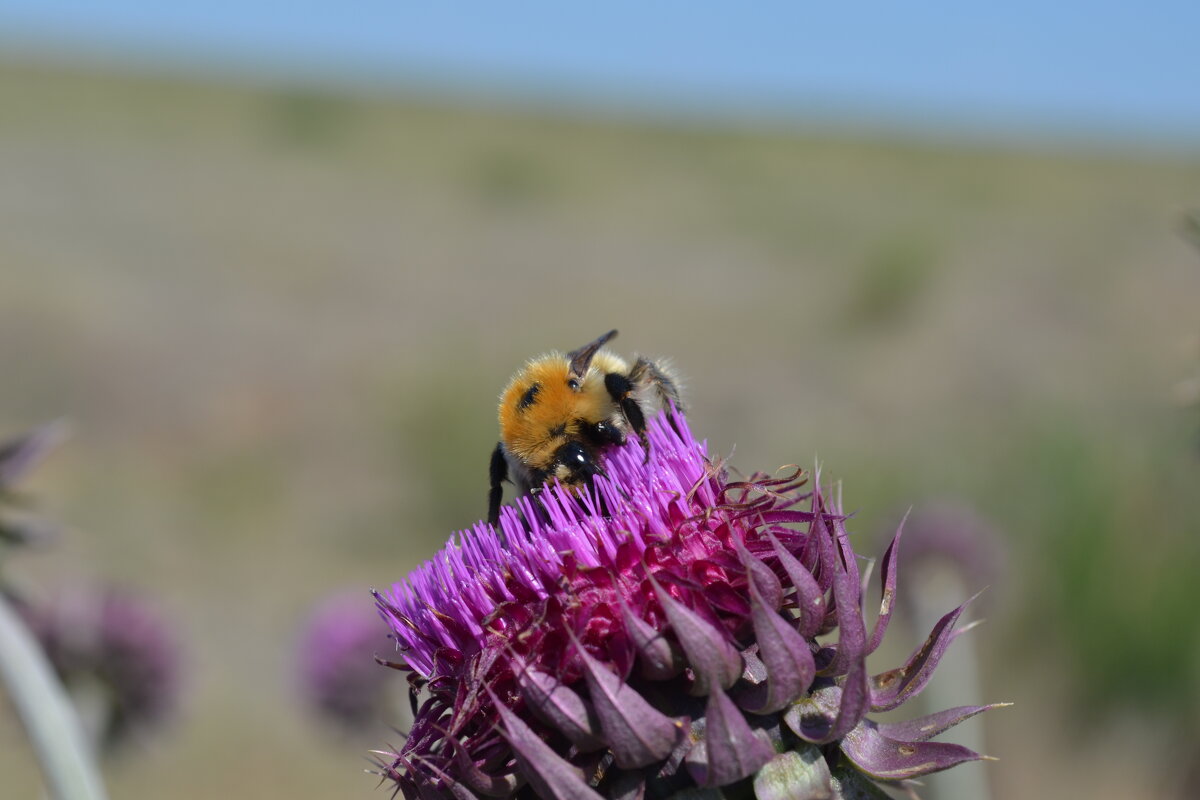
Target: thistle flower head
668	630
115	654
338	676
18	457
951	533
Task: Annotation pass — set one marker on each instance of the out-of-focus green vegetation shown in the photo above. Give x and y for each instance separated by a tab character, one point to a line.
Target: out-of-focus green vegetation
280	320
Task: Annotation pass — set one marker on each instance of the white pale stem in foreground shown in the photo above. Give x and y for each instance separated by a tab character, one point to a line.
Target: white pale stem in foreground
957	681
46	712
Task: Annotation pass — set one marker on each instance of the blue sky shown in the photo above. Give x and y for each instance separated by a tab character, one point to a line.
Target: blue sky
1101	70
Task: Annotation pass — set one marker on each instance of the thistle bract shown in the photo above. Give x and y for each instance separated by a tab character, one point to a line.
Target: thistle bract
669	630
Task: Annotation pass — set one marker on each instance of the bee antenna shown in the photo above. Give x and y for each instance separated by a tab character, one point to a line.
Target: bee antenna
581	359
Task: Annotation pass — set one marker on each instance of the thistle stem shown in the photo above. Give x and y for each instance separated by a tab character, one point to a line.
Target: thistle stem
49	719
958	681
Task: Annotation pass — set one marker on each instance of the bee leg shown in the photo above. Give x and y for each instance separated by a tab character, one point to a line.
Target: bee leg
538	507
497	473
603	433
621	390
603	506
646	372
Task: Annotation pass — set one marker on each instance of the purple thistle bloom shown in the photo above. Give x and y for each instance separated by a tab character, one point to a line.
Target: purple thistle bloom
114	653
18	457
338	674
655	635
954	533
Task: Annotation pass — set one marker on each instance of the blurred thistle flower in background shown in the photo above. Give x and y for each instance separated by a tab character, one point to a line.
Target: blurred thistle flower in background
1189	226
695	638
338	676
19	525
951	535
115	655
1186	392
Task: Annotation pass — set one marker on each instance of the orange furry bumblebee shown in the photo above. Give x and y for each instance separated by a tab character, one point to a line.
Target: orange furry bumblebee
560	412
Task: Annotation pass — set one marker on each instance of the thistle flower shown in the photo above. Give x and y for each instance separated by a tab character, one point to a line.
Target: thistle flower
116	657
951	533
669	632
18	457
338	678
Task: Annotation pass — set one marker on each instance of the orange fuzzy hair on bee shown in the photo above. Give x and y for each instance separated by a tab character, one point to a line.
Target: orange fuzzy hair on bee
535	422
561	412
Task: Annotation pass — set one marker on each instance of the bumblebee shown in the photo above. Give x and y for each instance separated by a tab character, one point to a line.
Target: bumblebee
560	412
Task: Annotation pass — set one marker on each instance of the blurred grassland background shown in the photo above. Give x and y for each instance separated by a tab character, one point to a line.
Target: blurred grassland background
279	320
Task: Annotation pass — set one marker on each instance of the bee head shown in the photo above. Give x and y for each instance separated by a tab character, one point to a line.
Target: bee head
557	399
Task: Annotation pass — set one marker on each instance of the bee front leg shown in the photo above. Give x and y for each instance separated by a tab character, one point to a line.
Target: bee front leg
666	388
497	474
620	389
